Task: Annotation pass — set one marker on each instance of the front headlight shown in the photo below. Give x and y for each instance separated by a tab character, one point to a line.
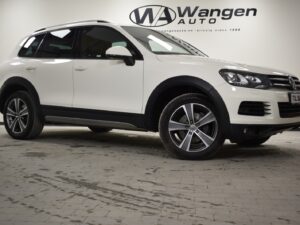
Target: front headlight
244	79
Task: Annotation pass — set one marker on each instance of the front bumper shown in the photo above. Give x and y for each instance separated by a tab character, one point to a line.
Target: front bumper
234	96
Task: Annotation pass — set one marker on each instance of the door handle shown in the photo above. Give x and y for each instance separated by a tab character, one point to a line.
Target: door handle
80	69
30	68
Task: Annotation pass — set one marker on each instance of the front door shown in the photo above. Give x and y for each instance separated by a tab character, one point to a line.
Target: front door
106	84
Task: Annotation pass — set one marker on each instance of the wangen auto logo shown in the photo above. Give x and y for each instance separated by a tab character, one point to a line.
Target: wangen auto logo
159	15
152	16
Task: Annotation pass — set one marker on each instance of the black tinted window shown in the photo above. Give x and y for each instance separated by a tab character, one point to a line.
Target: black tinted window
94	41
57	44
30	46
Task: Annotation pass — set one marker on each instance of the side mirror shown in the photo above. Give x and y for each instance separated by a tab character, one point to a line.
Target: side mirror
119	52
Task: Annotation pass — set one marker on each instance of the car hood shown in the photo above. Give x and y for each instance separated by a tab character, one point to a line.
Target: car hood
220	64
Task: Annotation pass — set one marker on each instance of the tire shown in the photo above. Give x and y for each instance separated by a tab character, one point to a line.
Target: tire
22	117
253	142
100	129
200	136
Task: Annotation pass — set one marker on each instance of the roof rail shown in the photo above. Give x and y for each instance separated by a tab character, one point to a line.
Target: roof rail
64	24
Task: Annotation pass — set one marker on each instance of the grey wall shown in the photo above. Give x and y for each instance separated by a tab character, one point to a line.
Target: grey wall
270	39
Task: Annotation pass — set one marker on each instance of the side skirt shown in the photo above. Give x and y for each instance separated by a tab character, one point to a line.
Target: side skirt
87	117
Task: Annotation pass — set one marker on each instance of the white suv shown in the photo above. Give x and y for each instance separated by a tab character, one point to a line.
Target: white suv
104	76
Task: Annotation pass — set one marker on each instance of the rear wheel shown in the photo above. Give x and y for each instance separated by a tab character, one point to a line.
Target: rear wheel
189	127
100	129
253	142
22	116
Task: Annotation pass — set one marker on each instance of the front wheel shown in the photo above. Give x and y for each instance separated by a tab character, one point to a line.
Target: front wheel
189	127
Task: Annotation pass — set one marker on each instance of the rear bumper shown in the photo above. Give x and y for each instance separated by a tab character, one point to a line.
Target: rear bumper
247	131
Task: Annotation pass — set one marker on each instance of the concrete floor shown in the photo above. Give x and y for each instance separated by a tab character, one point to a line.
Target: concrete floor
72	176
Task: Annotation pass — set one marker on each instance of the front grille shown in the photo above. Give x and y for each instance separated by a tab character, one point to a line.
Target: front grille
288	110
283	82
254	108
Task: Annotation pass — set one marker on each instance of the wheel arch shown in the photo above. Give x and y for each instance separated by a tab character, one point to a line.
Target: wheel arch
14	84
173	87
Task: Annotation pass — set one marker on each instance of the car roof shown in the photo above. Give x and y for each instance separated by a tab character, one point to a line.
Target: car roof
72	24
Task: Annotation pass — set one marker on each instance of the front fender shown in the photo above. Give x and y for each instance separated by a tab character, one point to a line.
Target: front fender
198	84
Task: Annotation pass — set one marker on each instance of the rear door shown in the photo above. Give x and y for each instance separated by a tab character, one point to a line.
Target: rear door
53	68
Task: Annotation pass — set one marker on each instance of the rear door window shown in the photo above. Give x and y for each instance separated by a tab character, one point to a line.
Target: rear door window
57	44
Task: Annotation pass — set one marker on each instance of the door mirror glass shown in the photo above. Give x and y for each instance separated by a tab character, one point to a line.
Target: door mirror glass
120	52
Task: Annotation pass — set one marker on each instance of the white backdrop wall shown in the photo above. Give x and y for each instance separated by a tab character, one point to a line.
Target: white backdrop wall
270	39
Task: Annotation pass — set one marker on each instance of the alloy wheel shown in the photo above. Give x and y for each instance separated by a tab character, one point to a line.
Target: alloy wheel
193	127
17	115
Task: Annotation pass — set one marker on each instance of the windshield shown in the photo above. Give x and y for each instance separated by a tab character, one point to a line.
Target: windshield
162	43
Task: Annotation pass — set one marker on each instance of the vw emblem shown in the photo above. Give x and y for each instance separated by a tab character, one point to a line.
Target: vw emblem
292	82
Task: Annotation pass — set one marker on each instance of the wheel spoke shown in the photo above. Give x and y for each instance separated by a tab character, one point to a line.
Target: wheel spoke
21	125
12	112
174	126
189	112
207	140
208	118
186	143
11	115
17	104
24	111
12	125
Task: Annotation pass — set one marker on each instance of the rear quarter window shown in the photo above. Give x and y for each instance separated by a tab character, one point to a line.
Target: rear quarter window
31	45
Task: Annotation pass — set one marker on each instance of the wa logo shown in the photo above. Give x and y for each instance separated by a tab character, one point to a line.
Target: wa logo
152	16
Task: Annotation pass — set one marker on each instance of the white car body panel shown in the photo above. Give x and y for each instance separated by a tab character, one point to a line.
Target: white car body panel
44	74
113	86
208	70
54	81
108	85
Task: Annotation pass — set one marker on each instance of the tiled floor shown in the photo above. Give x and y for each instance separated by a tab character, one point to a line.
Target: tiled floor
72	176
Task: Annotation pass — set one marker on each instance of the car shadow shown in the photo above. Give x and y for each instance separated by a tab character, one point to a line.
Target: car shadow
231	151
142	143
114	138
132	142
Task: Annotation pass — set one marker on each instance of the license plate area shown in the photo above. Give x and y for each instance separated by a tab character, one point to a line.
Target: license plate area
294	98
